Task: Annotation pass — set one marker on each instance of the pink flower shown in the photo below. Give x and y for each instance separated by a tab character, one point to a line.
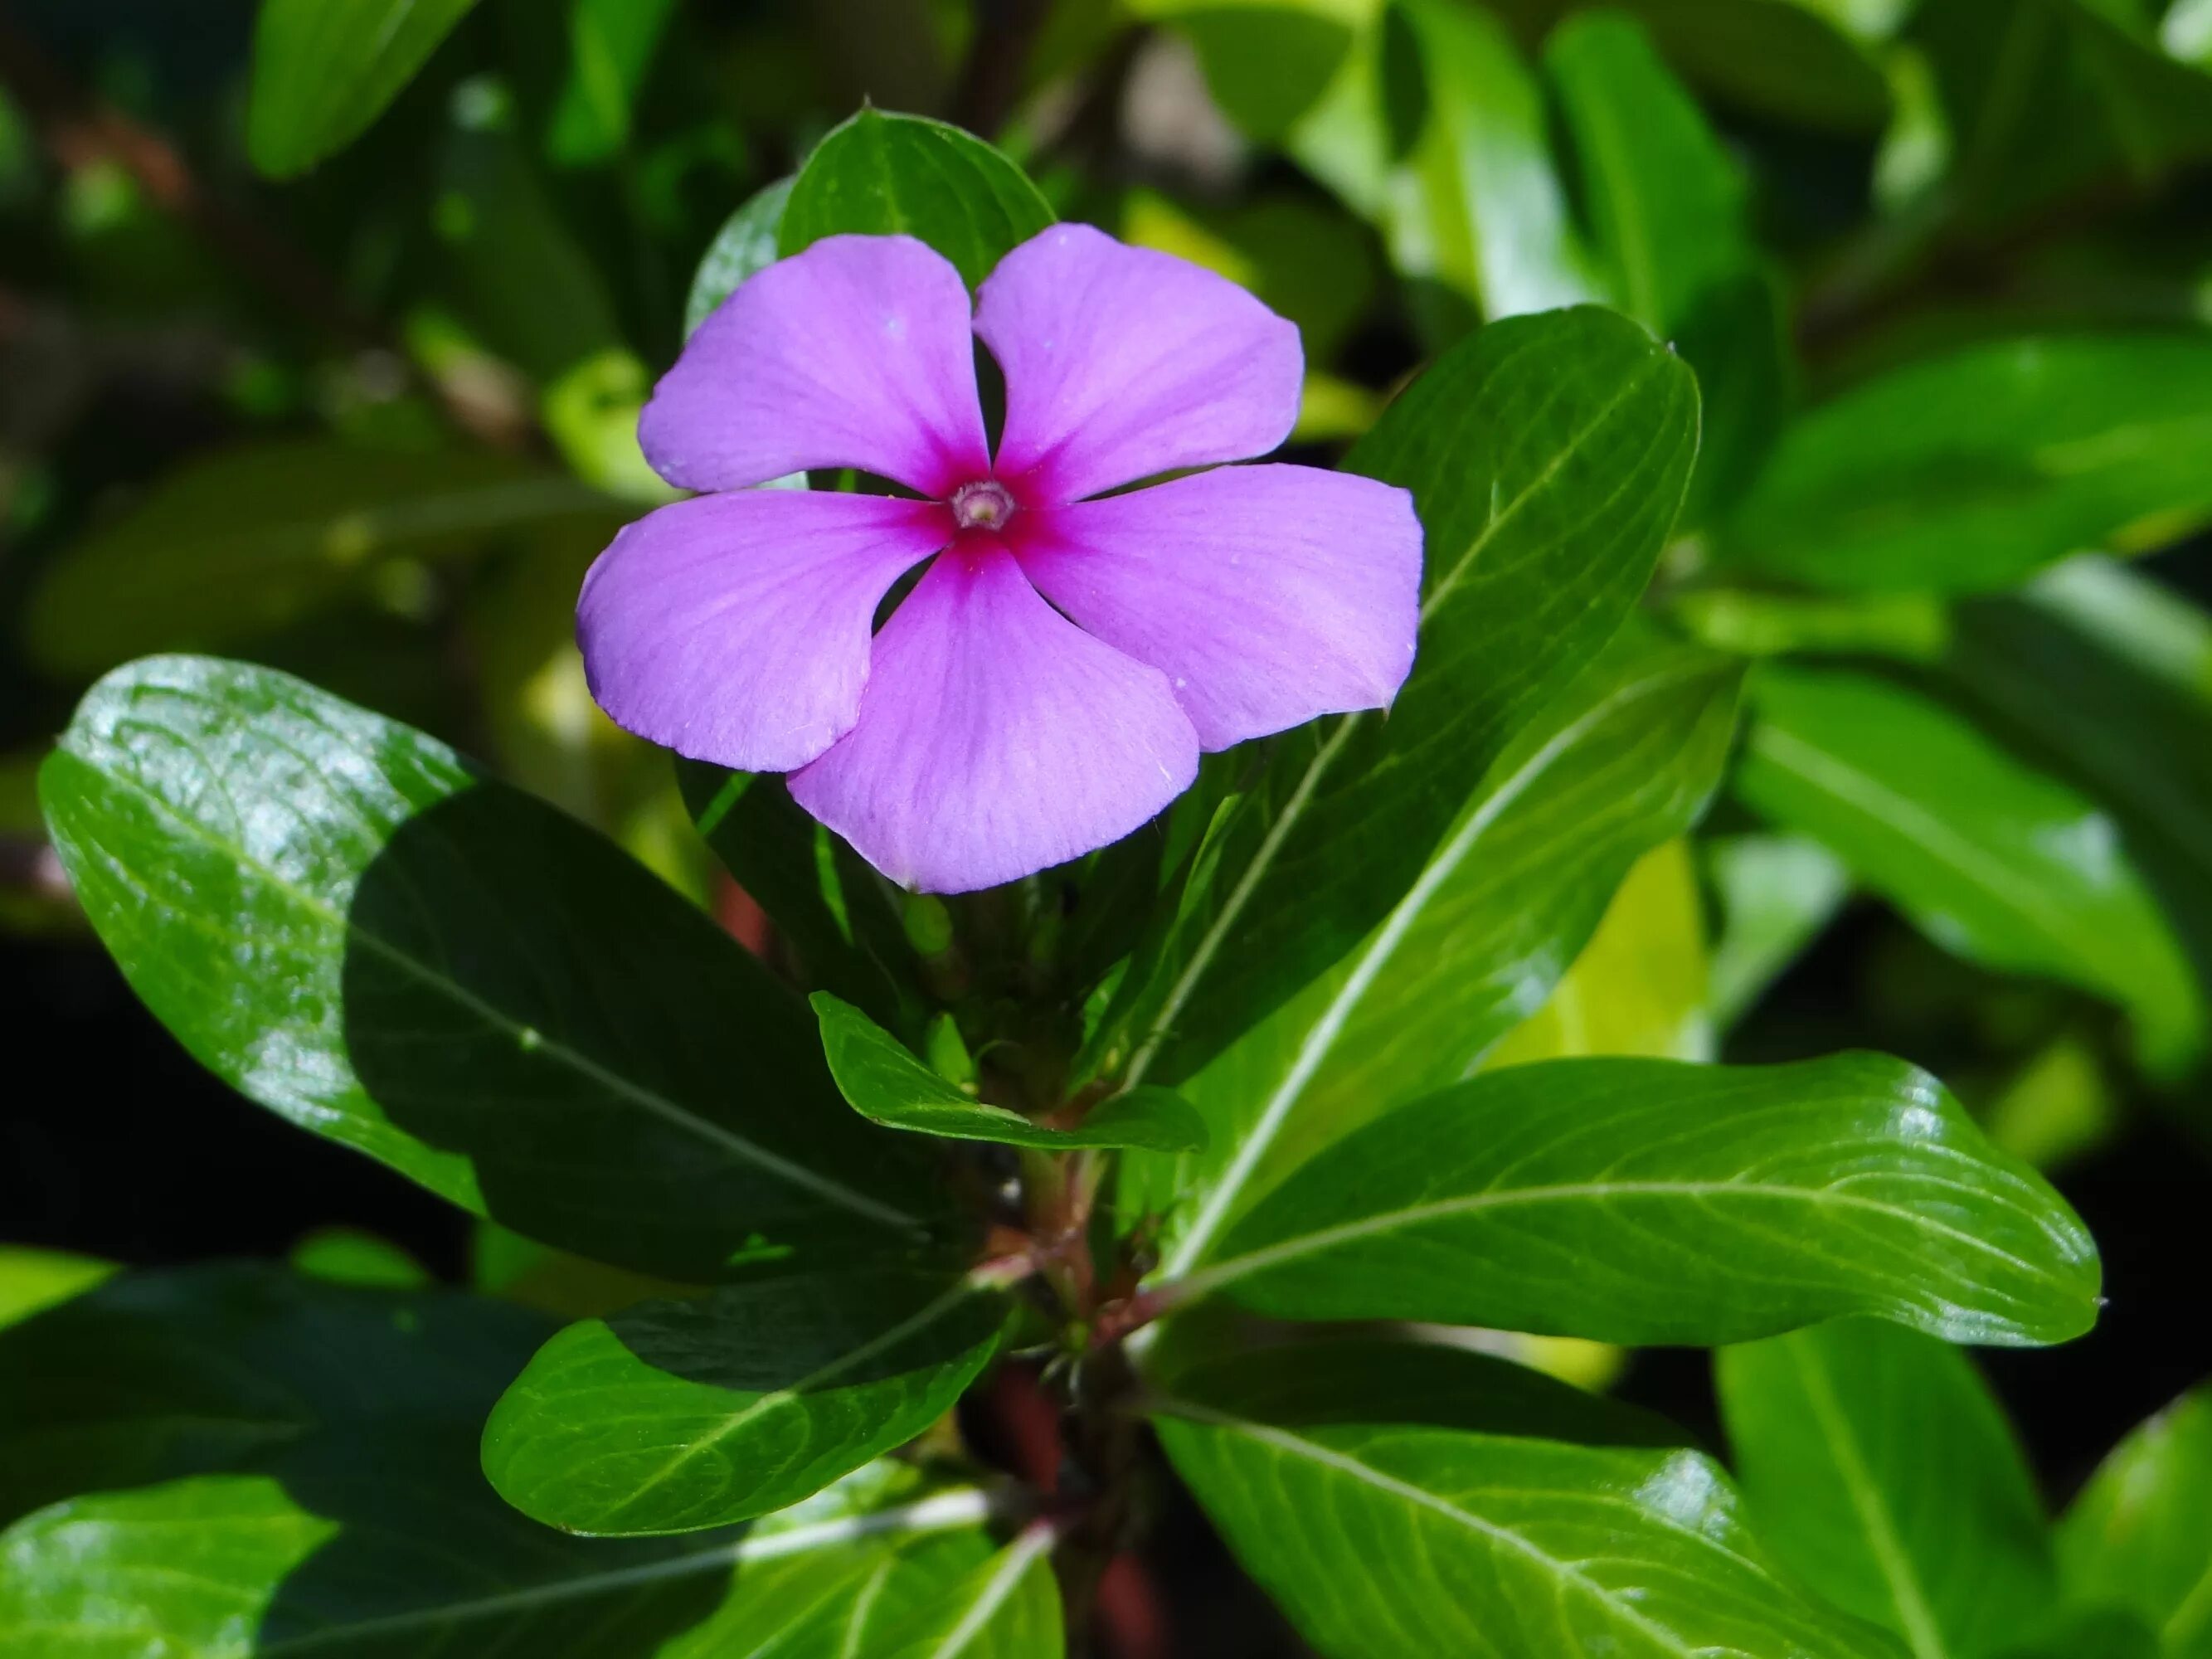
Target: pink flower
1048	684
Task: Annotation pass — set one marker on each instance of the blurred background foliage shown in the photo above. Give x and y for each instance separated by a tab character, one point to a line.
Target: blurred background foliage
337	368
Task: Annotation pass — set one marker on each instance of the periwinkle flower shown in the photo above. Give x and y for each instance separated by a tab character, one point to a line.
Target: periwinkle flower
1047	684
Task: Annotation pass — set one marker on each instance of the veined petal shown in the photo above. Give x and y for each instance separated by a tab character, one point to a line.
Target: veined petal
854	352
1122	362
735	628
1269	595
995	737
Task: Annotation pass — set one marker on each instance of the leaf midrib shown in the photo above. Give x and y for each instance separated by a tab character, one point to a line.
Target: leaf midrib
669	1111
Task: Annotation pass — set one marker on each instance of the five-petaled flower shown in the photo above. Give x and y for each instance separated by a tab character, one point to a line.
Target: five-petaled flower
1046	685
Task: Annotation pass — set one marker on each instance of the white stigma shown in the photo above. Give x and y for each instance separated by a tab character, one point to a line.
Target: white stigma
983	505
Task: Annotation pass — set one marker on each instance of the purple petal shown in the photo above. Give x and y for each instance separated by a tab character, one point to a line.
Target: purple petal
1269	595
735	628
1122	362
995	737
856	353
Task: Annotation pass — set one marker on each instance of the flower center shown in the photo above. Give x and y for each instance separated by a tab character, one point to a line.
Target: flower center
983	505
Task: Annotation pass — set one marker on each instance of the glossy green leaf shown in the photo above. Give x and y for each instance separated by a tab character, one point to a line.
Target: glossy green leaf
1775	894
672	1416
1506	443
1624	758
1648	1200
1475	206
882	1081
243	542
1401	1502
323	70
336	916
285	1467
880	174
1879	1469
1006	1607
1992	859
745	243
2139	1536
1969	472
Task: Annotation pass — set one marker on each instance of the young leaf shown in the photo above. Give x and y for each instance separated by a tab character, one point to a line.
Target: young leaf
880	174
745	243
672	1416
1648	1200
1402	1501
1879	1469
1970	471
1506	443
337	917
247	541
2137	1538
884	1082
1989	857
1627	757
323	70
32	1280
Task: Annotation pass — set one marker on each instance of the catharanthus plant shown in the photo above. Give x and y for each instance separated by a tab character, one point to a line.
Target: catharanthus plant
1048	684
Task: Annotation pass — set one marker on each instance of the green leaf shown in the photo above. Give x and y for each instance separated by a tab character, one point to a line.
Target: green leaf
314	1446
1648	1200
1776	894
32	1280
1006	1607
348	1256
2136	1538
1626	757
1638	986
1970	471
672	1416
1401	1502
336	916
245	542
1879	1469
1475	207
745	243
323	70
1266	62
1992	859
882	1081
1546	457
612	45
2096	1633
880	174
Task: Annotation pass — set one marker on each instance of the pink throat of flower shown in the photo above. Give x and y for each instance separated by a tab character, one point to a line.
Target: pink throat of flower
985	504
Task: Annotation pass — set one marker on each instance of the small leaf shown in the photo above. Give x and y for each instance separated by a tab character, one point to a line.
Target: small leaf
672	1416
2137	1538
1970	471
880	174
1401	1502
885	1084
1647	1201
32	1280
323	70
1989	857
339	917
745	243
1881	1470
236	545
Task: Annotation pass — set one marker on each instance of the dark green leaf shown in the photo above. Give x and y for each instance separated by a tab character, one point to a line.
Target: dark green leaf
2095	1633
234	546
1990	858
337	917
339	1509
884	1082
1546	457
1969	472
1880	1471
745	243
1402	1502
672	1416
323	70
1648	1200
2137	1538
1623	759
881	174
